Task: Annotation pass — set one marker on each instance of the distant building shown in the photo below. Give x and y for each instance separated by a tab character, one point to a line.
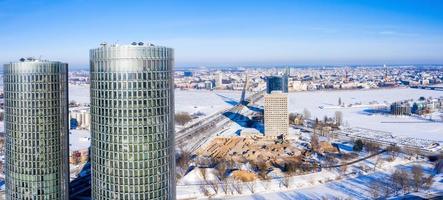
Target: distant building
83	118
418	107
187	74
276	83
219	81
209	85
73	123
276	114
400	108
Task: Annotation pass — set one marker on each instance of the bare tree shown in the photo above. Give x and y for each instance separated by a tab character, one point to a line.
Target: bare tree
285	181
315	145
394	151
427	183
378	161
225	186
386	190
343	169
306	114
292	117
375	190
400	181
251	186
204	190
266	183
417	177
372	147
338	118
221	170
237	187
262	168
182	118
182	161
396	181
330	160
203	173
292	166
214	186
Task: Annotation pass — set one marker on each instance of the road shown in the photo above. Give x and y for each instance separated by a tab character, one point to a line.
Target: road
195	135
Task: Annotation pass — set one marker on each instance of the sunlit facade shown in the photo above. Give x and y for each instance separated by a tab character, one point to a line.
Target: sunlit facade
132	126
36	125
276	114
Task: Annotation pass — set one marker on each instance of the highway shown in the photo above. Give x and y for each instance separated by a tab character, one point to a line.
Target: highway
197	134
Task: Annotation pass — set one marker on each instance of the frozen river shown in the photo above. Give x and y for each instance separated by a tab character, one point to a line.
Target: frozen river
358	117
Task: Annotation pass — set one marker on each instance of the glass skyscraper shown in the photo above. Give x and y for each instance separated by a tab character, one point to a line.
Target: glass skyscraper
36	125
132	126
277	83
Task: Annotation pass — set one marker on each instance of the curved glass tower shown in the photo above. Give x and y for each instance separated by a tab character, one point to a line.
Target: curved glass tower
36	108
132	126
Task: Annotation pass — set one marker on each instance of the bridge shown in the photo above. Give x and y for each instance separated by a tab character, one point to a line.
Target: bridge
194	135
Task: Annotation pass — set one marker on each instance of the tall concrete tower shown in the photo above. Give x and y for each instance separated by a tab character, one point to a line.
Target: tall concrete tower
36	124
132	122
276	114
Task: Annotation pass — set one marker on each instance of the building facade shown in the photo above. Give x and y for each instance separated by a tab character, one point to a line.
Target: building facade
36	125
132	122
82	118
276	115
277	83
400	108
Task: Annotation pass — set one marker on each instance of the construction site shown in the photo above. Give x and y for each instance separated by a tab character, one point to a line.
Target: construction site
241	149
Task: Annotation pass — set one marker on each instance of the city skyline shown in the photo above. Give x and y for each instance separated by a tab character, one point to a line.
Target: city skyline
225	34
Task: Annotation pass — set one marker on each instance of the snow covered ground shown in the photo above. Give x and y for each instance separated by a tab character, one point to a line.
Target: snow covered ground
357	187
79	93
358	117
207	102
356	183
79	139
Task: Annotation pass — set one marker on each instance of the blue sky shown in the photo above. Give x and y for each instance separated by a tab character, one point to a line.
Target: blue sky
229	32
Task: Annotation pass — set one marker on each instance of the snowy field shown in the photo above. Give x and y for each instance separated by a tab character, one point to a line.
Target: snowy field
79	93
208	102
357	187
79	139
358	117
355	183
